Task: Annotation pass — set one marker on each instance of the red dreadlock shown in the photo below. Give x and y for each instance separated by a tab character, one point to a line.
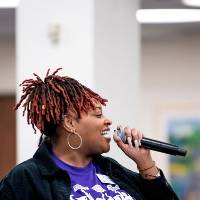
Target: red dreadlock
47	101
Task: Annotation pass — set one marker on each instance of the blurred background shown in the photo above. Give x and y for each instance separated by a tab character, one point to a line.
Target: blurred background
147	68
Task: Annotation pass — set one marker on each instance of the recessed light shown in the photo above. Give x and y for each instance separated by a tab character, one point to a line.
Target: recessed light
168	15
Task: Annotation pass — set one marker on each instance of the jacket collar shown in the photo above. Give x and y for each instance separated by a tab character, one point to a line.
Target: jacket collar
43	158
107	165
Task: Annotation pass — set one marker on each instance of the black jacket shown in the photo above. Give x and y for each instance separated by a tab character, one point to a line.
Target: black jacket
39	178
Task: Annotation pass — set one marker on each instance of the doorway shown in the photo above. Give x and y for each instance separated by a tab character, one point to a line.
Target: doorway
7	91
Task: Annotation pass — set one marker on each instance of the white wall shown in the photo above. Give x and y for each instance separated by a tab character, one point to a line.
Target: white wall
36	52
170	82
117	56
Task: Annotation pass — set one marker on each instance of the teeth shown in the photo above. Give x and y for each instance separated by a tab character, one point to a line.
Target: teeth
104	133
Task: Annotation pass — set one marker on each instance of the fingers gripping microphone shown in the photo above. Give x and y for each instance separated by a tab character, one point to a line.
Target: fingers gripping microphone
155	145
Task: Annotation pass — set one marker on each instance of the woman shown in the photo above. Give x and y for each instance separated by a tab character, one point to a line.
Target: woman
68	163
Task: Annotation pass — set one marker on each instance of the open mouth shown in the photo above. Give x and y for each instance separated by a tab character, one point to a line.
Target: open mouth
106	133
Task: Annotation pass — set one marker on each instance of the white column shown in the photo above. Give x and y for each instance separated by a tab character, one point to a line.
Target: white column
117	50
37	50
94	41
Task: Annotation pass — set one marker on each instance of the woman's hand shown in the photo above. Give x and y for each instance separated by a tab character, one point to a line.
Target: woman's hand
141	156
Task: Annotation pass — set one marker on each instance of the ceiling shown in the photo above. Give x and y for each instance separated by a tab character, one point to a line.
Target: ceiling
7	21
167	30
150	4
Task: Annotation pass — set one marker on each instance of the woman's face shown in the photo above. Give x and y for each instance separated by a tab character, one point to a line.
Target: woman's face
92	127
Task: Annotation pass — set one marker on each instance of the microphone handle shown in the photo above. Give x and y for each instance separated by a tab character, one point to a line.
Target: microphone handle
162	147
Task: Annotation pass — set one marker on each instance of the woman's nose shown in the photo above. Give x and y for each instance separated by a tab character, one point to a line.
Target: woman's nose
108	122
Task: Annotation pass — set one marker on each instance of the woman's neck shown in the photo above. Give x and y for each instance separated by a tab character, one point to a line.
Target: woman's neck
70	156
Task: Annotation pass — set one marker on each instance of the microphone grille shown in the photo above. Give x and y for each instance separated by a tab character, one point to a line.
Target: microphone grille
121	133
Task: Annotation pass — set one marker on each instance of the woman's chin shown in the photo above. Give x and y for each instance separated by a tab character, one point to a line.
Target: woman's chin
107	149
104	149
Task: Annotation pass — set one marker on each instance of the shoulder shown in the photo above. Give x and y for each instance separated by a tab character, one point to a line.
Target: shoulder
18	179
21	171
28	165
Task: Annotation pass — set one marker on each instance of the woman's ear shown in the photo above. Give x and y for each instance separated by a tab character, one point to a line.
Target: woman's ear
68	124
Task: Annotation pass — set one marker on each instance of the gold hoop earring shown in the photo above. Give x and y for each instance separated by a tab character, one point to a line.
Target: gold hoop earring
68	139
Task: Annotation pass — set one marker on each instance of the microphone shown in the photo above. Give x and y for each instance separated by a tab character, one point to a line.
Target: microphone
154	145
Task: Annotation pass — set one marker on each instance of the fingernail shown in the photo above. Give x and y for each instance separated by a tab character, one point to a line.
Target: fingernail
129	140
136	142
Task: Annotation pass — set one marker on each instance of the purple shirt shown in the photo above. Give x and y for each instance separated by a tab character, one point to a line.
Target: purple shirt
88	183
